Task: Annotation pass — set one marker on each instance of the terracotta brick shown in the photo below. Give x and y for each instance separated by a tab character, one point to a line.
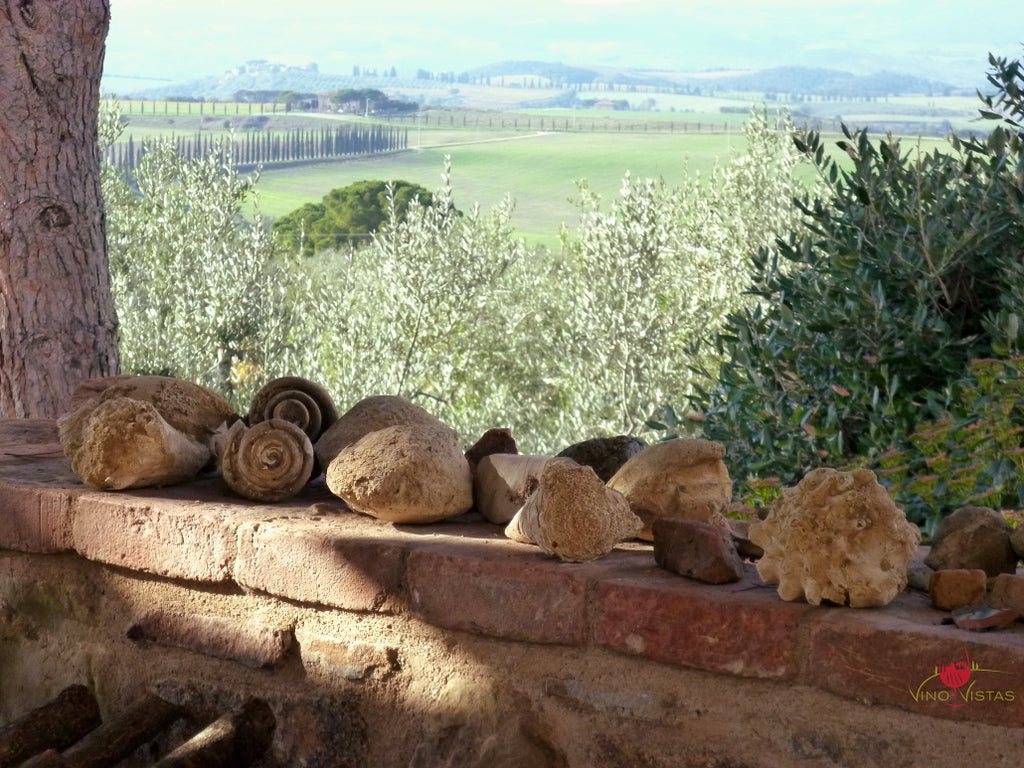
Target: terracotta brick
166	537
500	589
893	656
344	561
34	519
741	629
244	641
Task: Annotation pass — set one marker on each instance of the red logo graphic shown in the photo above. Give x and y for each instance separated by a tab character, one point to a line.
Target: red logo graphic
954	685
955	676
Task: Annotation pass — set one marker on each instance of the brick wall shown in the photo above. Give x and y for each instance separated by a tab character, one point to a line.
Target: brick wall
448	644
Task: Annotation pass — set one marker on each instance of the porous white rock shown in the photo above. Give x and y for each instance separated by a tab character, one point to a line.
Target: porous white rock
836	536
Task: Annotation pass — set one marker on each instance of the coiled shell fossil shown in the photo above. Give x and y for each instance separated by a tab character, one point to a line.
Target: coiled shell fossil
304	403
270	461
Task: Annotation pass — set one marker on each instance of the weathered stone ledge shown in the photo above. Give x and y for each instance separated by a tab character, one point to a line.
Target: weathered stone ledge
464	575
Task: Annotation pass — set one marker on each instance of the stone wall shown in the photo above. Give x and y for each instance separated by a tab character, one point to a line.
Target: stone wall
448	645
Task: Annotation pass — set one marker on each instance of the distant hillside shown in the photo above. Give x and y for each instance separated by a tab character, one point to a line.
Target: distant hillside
301	80
554	71
826	82
797	80
264	76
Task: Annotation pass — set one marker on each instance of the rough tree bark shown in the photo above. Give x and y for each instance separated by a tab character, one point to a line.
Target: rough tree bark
57	320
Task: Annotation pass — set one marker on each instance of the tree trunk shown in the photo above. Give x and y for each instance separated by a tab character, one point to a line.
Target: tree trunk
57	320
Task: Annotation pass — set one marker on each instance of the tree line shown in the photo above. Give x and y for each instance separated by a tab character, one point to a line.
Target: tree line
265	148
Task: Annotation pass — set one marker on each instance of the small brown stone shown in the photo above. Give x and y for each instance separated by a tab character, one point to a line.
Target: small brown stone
973	537
702	551
1008	592
497	440
955	588
605	455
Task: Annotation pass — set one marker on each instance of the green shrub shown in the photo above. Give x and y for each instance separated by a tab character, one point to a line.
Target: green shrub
652	278
910	267
444	308
972	455
347	214
198	291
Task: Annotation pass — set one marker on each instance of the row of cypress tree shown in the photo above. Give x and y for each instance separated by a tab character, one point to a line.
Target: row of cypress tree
268	147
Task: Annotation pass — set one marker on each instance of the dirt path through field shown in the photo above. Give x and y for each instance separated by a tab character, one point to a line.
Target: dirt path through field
530	135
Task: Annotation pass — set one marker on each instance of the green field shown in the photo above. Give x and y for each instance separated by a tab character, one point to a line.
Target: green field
534	156
539	171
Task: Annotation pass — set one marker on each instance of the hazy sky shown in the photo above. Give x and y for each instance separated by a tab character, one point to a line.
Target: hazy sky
191	38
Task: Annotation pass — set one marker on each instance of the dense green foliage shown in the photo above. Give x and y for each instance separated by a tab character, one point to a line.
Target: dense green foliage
911	266
876	322
198	295
449	309
348	213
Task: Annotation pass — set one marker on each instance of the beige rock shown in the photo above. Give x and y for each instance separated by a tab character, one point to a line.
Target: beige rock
187	407
139	431
408	473
836	536
126	443
676	478
369	415
503	482
573	514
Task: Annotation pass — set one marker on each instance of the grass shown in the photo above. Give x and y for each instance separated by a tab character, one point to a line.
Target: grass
539	171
